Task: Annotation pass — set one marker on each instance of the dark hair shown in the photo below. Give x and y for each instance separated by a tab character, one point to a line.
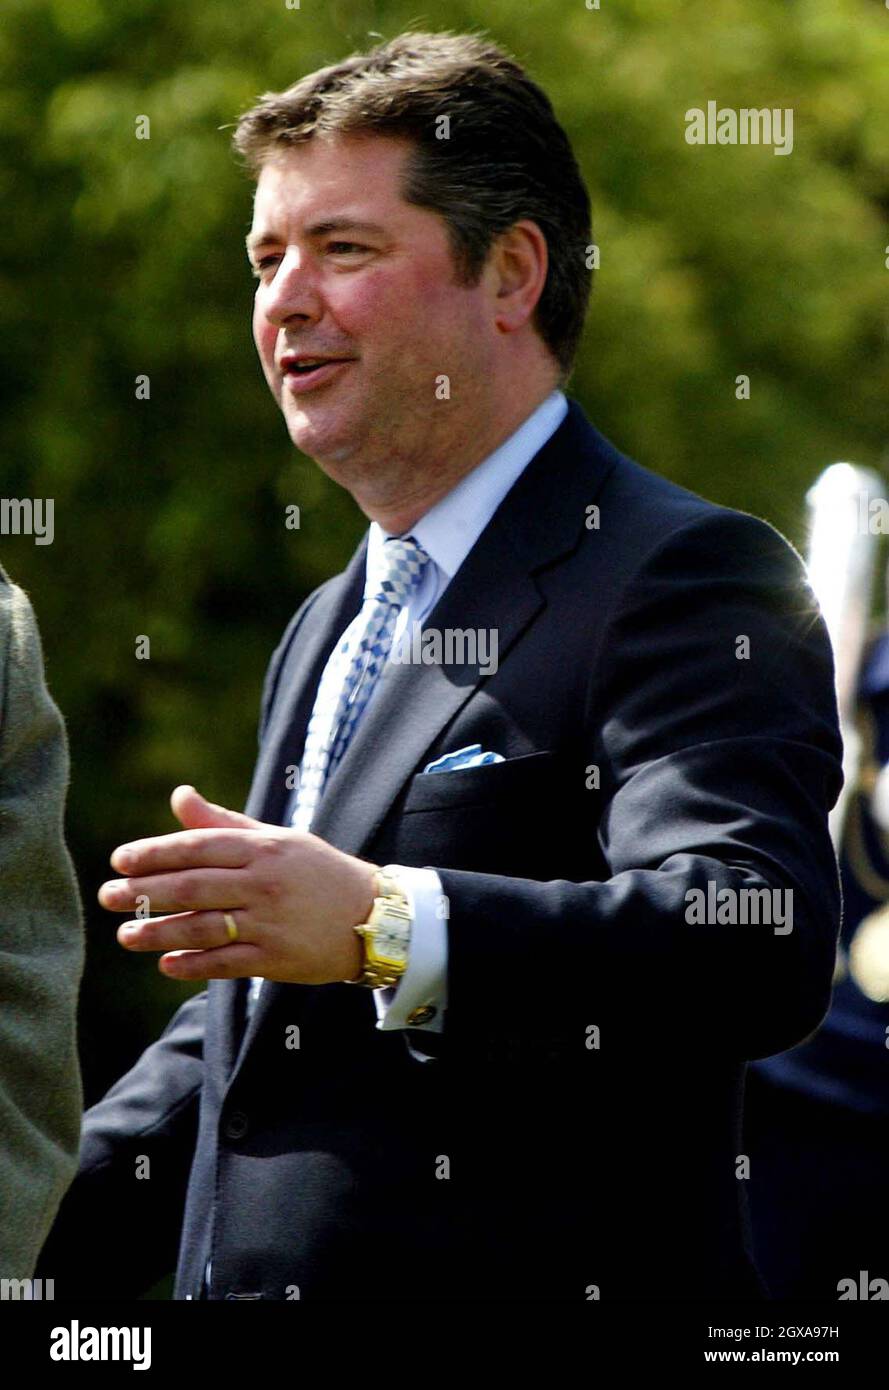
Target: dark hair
506	156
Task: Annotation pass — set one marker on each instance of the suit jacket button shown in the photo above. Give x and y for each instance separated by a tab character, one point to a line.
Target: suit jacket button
421	1015
236	1125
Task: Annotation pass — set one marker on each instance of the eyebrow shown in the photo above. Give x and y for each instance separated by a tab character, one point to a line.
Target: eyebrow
330	224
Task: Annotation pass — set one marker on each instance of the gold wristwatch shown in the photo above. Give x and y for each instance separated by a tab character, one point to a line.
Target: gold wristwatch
386	935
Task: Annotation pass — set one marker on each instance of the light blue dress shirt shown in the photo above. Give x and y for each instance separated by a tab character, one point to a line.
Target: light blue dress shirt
447	532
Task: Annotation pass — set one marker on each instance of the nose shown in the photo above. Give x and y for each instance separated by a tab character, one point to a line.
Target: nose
292	292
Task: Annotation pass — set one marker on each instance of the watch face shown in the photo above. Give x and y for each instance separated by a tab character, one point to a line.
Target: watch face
389	944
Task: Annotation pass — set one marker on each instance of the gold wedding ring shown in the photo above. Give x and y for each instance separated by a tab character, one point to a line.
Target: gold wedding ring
231	926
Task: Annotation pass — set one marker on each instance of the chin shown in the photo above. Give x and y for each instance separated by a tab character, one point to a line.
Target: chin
321	440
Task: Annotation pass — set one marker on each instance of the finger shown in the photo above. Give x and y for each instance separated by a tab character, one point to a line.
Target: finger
183	849
225	963
195	812
191	931
191	890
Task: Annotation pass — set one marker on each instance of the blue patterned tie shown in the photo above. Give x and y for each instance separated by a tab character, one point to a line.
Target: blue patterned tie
353	669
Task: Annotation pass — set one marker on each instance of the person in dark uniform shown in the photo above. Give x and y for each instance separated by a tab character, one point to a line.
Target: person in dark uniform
817	1116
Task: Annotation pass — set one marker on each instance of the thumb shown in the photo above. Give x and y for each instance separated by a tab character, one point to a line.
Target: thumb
194	812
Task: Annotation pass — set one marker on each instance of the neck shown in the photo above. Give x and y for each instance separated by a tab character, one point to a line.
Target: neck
400	511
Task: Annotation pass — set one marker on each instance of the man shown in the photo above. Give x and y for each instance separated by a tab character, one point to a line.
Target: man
523	1076
41	950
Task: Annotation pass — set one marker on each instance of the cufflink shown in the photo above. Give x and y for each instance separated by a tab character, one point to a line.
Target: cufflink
424	1014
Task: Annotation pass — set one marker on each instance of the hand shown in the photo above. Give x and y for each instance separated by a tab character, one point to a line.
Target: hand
294	898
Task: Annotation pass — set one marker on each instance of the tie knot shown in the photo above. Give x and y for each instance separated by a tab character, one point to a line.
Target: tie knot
401	566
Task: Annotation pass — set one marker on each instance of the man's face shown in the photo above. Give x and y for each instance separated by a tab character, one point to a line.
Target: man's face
347	269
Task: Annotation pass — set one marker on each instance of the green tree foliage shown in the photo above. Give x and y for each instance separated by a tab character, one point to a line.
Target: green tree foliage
123	257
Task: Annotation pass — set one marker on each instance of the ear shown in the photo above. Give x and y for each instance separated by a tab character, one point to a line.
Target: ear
519	262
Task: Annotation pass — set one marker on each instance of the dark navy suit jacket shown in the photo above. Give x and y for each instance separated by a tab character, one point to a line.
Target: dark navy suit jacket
577	1134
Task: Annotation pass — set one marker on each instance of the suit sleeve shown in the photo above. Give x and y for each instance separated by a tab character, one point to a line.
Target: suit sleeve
712	721
119	1226
41	949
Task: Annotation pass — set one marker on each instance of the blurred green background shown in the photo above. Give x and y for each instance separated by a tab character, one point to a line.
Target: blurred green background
123	257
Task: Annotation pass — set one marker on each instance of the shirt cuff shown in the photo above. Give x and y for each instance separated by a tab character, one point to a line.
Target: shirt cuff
424	984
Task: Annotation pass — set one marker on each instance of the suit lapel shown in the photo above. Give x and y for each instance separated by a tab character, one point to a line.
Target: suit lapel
301	671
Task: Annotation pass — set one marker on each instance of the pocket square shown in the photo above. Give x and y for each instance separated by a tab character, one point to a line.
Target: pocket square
472	756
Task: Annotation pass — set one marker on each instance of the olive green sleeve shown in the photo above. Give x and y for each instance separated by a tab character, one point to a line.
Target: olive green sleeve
41	948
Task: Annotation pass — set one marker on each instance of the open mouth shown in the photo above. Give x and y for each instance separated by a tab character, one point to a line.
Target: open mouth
304	374
304	368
